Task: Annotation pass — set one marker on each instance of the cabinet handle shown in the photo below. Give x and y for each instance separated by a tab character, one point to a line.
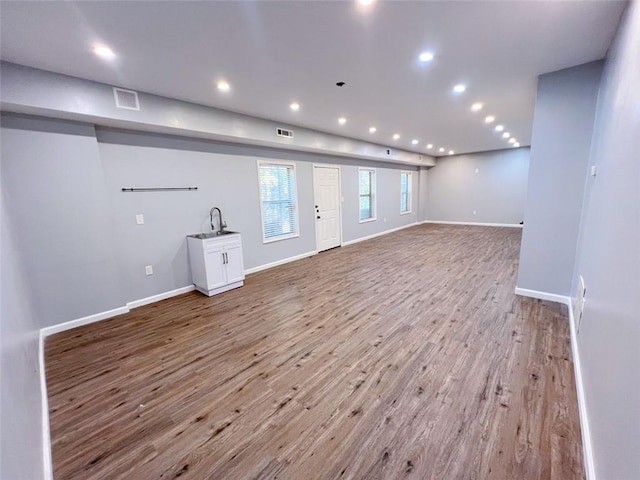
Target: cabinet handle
226	256
224	260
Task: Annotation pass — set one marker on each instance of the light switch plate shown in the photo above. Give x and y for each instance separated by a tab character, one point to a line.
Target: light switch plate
140	219
148	270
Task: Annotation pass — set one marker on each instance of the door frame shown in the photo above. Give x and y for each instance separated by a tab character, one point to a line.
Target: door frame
313	181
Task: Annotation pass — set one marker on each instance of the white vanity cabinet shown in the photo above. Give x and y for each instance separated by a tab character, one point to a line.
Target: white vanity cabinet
216	262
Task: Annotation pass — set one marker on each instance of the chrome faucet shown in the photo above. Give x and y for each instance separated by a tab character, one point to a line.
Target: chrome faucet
220	222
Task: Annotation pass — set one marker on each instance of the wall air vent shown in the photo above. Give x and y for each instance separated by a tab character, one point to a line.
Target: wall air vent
282	132
126	99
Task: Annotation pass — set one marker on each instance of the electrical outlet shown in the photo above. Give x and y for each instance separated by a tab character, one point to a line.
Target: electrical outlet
148	270
140	219
475	213
385	219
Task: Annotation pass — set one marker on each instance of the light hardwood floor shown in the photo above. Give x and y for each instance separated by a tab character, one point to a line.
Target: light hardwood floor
406	356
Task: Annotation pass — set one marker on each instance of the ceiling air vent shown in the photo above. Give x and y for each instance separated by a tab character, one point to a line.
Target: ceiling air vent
126	99
282	132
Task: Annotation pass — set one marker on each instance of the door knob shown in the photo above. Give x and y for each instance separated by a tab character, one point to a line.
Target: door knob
318	217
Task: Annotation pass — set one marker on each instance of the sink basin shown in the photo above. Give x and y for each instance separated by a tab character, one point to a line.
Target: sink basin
204	236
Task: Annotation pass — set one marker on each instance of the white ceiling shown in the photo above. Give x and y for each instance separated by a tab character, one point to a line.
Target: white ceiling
273	53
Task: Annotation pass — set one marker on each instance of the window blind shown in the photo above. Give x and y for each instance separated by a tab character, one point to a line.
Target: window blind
278	198
405	192
366	187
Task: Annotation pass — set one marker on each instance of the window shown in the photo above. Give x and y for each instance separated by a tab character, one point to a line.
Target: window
367	182
405	192
278	200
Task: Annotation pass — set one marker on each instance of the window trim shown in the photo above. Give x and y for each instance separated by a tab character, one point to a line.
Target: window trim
409	191
296	201
373	195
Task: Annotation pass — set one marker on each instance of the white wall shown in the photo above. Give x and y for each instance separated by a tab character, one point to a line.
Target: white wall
71	247
609	259
561	140
55	190
423	195
84	253
38	92
491	184
20	412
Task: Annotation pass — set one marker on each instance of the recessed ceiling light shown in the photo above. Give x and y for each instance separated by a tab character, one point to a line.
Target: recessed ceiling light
499	128
425	57
103	51
489	119
441	149
396	136
516	144
476	107
295	106
459	88
429	146
512	140
414	142
451	152
365	2
342	120
223	86
506	135
373	129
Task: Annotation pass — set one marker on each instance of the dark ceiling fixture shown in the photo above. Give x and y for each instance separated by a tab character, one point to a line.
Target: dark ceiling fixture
340	84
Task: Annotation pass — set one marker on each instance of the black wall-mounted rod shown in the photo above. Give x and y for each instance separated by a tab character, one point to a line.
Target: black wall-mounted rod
159	189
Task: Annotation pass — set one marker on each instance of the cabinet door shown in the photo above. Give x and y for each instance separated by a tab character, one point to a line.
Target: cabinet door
213	261
235	265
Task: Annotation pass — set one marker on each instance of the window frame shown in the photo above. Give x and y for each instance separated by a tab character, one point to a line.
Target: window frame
296	201
409	175
372	194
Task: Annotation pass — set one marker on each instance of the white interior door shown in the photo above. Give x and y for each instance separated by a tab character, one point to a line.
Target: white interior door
326	191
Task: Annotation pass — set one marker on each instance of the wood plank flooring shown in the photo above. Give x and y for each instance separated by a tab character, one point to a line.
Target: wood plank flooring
406	356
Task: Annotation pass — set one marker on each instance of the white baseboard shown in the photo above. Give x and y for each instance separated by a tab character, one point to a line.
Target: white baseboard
47	463
46	435
379	234
160	296
552	297
477	224
279	262
587	452
61	327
